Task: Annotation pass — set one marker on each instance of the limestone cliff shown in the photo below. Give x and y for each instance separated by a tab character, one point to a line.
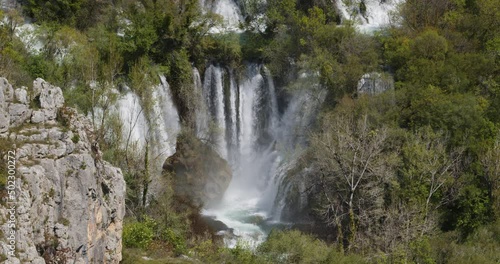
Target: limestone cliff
70	204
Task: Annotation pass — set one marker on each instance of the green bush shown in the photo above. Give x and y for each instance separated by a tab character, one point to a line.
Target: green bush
208	252
296	247
79	13
252	46
483	246
223	48
139	234
38	66
176	239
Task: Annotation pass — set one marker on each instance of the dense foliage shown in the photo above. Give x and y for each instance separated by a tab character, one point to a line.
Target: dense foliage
411	175
392	171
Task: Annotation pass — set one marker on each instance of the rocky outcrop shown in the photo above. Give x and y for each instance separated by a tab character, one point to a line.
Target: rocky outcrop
70	204
199	173
375	83
9	4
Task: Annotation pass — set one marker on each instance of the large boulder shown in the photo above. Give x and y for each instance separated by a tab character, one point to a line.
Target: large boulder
199	173
70	203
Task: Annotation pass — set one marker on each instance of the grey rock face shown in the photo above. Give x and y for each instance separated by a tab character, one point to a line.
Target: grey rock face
375	83
8	4
51	97
8	91
65	192
4	121
38	86
19	113
22	95
4	110
37	117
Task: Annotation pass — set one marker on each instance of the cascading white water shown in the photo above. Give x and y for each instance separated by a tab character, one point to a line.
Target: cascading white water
164	121
294	130
232	118
247	113
377	13
250	161
213	92
158	128
228	10
164	126
259	160
201	115
135	126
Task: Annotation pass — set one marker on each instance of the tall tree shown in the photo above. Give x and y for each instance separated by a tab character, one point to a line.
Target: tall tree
351	168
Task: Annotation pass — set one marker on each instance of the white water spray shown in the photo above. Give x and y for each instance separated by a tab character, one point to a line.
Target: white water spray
376	15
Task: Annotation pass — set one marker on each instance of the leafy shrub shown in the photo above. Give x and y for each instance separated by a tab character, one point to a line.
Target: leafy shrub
253	45
139	234
223	48
209	252
295	247
176	239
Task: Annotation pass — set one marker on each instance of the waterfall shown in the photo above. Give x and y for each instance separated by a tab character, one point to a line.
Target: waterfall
370	15
201	115
164	126
232	122
164	121
213	92
247	114
228	10
257	140
273	100
158	128
296	121
135	126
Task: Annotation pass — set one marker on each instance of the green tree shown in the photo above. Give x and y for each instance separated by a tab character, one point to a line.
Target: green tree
428	171
491	165
77	13
62	11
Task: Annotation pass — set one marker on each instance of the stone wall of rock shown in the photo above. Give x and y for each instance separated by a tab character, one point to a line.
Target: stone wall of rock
70	203
375	83
9	4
